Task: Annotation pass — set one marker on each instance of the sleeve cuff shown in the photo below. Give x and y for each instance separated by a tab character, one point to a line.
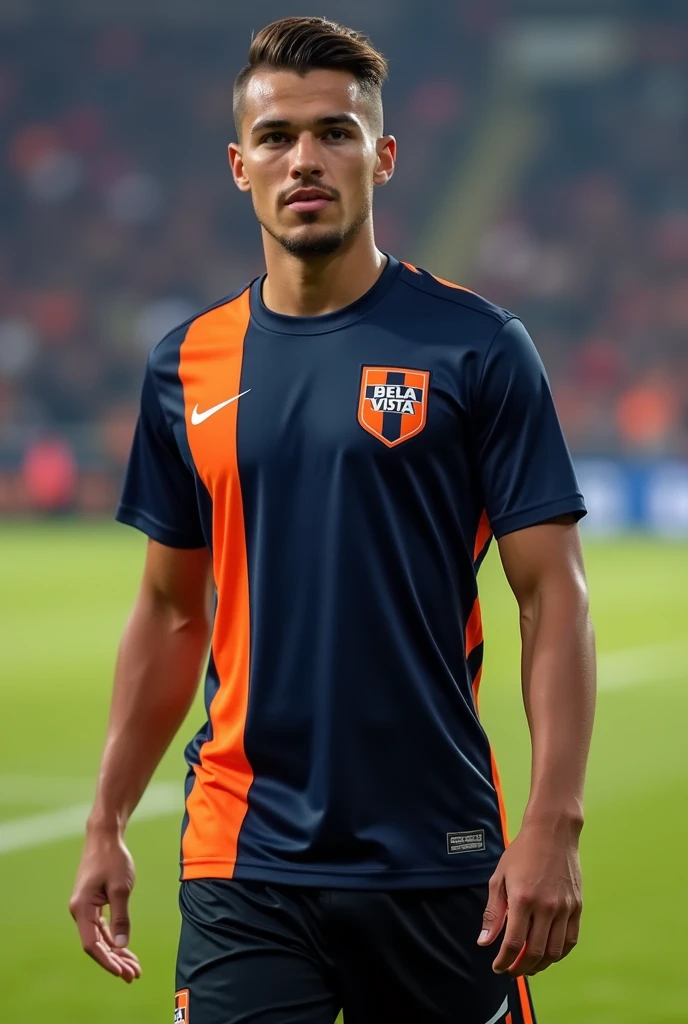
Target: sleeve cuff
160	532
536	514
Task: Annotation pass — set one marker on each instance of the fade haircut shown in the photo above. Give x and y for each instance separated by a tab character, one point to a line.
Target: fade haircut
304	44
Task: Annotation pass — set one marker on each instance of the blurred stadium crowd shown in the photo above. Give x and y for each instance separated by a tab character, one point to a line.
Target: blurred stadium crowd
118	219
593	254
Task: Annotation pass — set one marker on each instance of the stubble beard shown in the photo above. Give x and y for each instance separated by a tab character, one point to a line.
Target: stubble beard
319	245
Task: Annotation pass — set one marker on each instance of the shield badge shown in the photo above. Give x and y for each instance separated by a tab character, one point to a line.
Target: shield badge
181	1007
393	402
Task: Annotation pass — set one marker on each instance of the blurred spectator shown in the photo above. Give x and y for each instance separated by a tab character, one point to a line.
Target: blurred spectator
118	218
593	251
49	475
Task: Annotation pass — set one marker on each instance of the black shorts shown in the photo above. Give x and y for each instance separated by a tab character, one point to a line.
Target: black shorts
252	953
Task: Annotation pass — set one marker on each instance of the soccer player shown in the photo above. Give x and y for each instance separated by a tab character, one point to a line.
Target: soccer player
320	462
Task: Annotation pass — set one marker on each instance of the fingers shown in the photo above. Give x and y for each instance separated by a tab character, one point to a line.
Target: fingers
517	928
554	949
537	939
120	927
573	929
563	936
114	962
126	953
87	919
553	933
495	911
131	968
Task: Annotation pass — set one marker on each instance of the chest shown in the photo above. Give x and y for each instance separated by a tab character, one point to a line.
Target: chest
346	399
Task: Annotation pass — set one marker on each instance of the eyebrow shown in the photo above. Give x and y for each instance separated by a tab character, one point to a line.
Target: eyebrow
332	119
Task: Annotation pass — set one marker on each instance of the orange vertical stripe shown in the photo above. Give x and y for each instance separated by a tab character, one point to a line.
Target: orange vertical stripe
482	536
496	781
411	267
508	1019
525	1001
500	797
474	628
210	371
476	688
474	636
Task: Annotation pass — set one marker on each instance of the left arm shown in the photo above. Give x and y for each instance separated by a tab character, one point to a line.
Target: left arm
537	884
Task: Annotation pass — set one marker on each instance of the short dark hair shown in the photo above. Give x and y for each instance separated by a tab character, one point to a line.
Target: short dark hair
304	44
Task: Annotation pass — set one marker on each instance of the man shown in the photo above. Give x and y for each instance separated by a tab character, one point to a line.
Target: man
325	455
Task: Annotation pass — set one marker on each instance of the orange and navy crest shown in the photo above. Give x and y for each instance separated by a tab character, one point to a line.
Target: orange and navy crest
181	1007
393	403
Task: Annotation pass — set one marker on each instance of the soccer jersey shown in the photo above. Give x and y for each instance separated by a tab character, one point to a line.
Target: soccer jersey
347	472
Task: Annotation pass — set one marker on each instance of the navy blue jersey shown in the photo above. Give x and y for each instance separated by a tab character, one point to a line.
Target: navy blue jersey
347	472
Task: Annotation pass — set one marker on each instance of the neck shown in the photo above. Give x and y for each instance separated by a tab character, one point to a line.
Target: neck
320	284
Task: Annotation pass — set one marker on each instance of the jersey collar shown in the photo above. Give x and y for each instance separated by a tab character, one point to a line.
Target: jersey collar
281	324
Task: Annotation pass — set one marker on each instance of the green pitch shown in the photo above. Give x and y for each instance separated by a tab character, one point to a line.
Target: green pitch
64	597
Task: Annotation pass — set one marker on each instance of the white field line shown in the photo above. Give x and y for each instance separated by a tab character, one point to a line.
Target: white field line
22	833
638	665
44	790
617	671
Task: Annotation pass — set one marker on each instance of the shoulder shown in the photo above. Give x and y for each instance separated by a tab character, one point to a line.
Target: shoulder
163	359
457	301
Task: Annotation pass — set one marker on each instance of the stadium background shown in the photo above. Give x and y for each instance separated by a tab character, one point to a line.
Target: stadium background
543	162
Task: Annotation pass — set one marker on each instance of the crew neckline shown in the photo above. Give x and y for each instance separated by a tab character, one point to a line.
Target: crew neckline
281	323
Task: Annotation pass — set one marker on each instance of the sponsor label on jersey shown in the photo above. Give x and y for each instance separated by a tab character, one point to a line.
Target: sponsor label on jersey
181	1007
393	402
466	842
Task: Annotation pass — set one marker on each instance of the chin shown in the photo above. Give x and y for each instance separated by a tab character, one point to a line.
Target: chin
312	243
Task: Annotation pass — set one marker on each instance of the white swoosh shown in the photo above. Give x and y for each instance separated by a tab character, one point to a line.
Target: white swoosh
500	1012
198	417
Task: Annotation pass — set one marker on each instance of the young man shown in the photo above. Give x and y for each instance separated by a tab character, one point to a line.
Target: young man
324	456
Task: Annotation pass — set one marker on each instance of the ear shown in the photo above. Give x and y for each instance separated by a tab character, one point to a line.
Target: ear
386	159
236	162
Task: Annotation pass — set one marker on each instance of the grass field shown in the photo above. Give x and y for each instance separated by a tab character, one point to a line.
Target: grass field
64	594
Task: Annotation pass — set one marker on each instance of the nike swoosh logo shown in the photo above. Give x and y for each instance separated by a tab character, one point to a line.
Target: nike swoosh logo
504	1008
199	417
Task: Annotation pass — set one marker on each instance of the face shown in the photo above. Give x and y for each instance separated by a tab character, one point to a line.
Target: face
310	156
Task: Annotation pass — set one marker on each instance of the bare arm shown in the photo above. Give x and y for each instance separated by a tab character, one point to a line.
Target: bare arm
544	567
156	675
538	881
158	667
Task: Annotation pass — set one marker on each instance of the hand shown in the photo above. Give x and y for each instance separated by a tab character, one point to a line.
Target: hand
537	890
105	877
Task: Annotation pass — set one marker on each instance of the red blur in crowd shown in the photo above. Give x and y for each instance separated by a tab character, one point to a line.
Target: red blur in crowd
118	220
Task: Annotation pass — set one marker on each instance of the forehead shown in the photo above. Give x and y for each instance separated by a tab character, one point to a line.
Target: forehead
284	95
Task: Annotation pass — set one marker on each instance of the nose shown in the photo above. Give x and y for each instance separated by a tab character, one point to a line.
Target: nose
306	158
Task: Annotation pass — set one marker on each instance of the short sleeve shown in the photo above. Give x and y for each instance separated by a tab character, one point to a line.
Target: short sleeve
525	466
159	496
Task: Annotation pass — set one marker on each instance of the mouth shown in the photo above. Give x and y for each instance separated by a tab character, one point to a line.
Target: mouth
308	200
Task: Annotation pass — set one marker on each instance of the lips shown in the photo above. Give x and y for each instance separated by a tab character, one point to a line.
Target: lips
308	200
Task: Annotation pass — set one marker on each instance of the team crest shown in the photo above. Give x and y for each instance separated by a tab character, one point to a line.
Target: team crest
393	403
181	1007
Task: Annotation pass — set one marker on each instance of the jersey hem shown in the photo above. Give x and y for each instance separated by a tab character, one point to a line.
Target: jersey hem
438	878
572	504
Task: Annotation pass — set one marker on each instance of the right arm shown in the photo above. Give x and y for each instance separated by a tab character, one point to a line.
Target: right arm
159	664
